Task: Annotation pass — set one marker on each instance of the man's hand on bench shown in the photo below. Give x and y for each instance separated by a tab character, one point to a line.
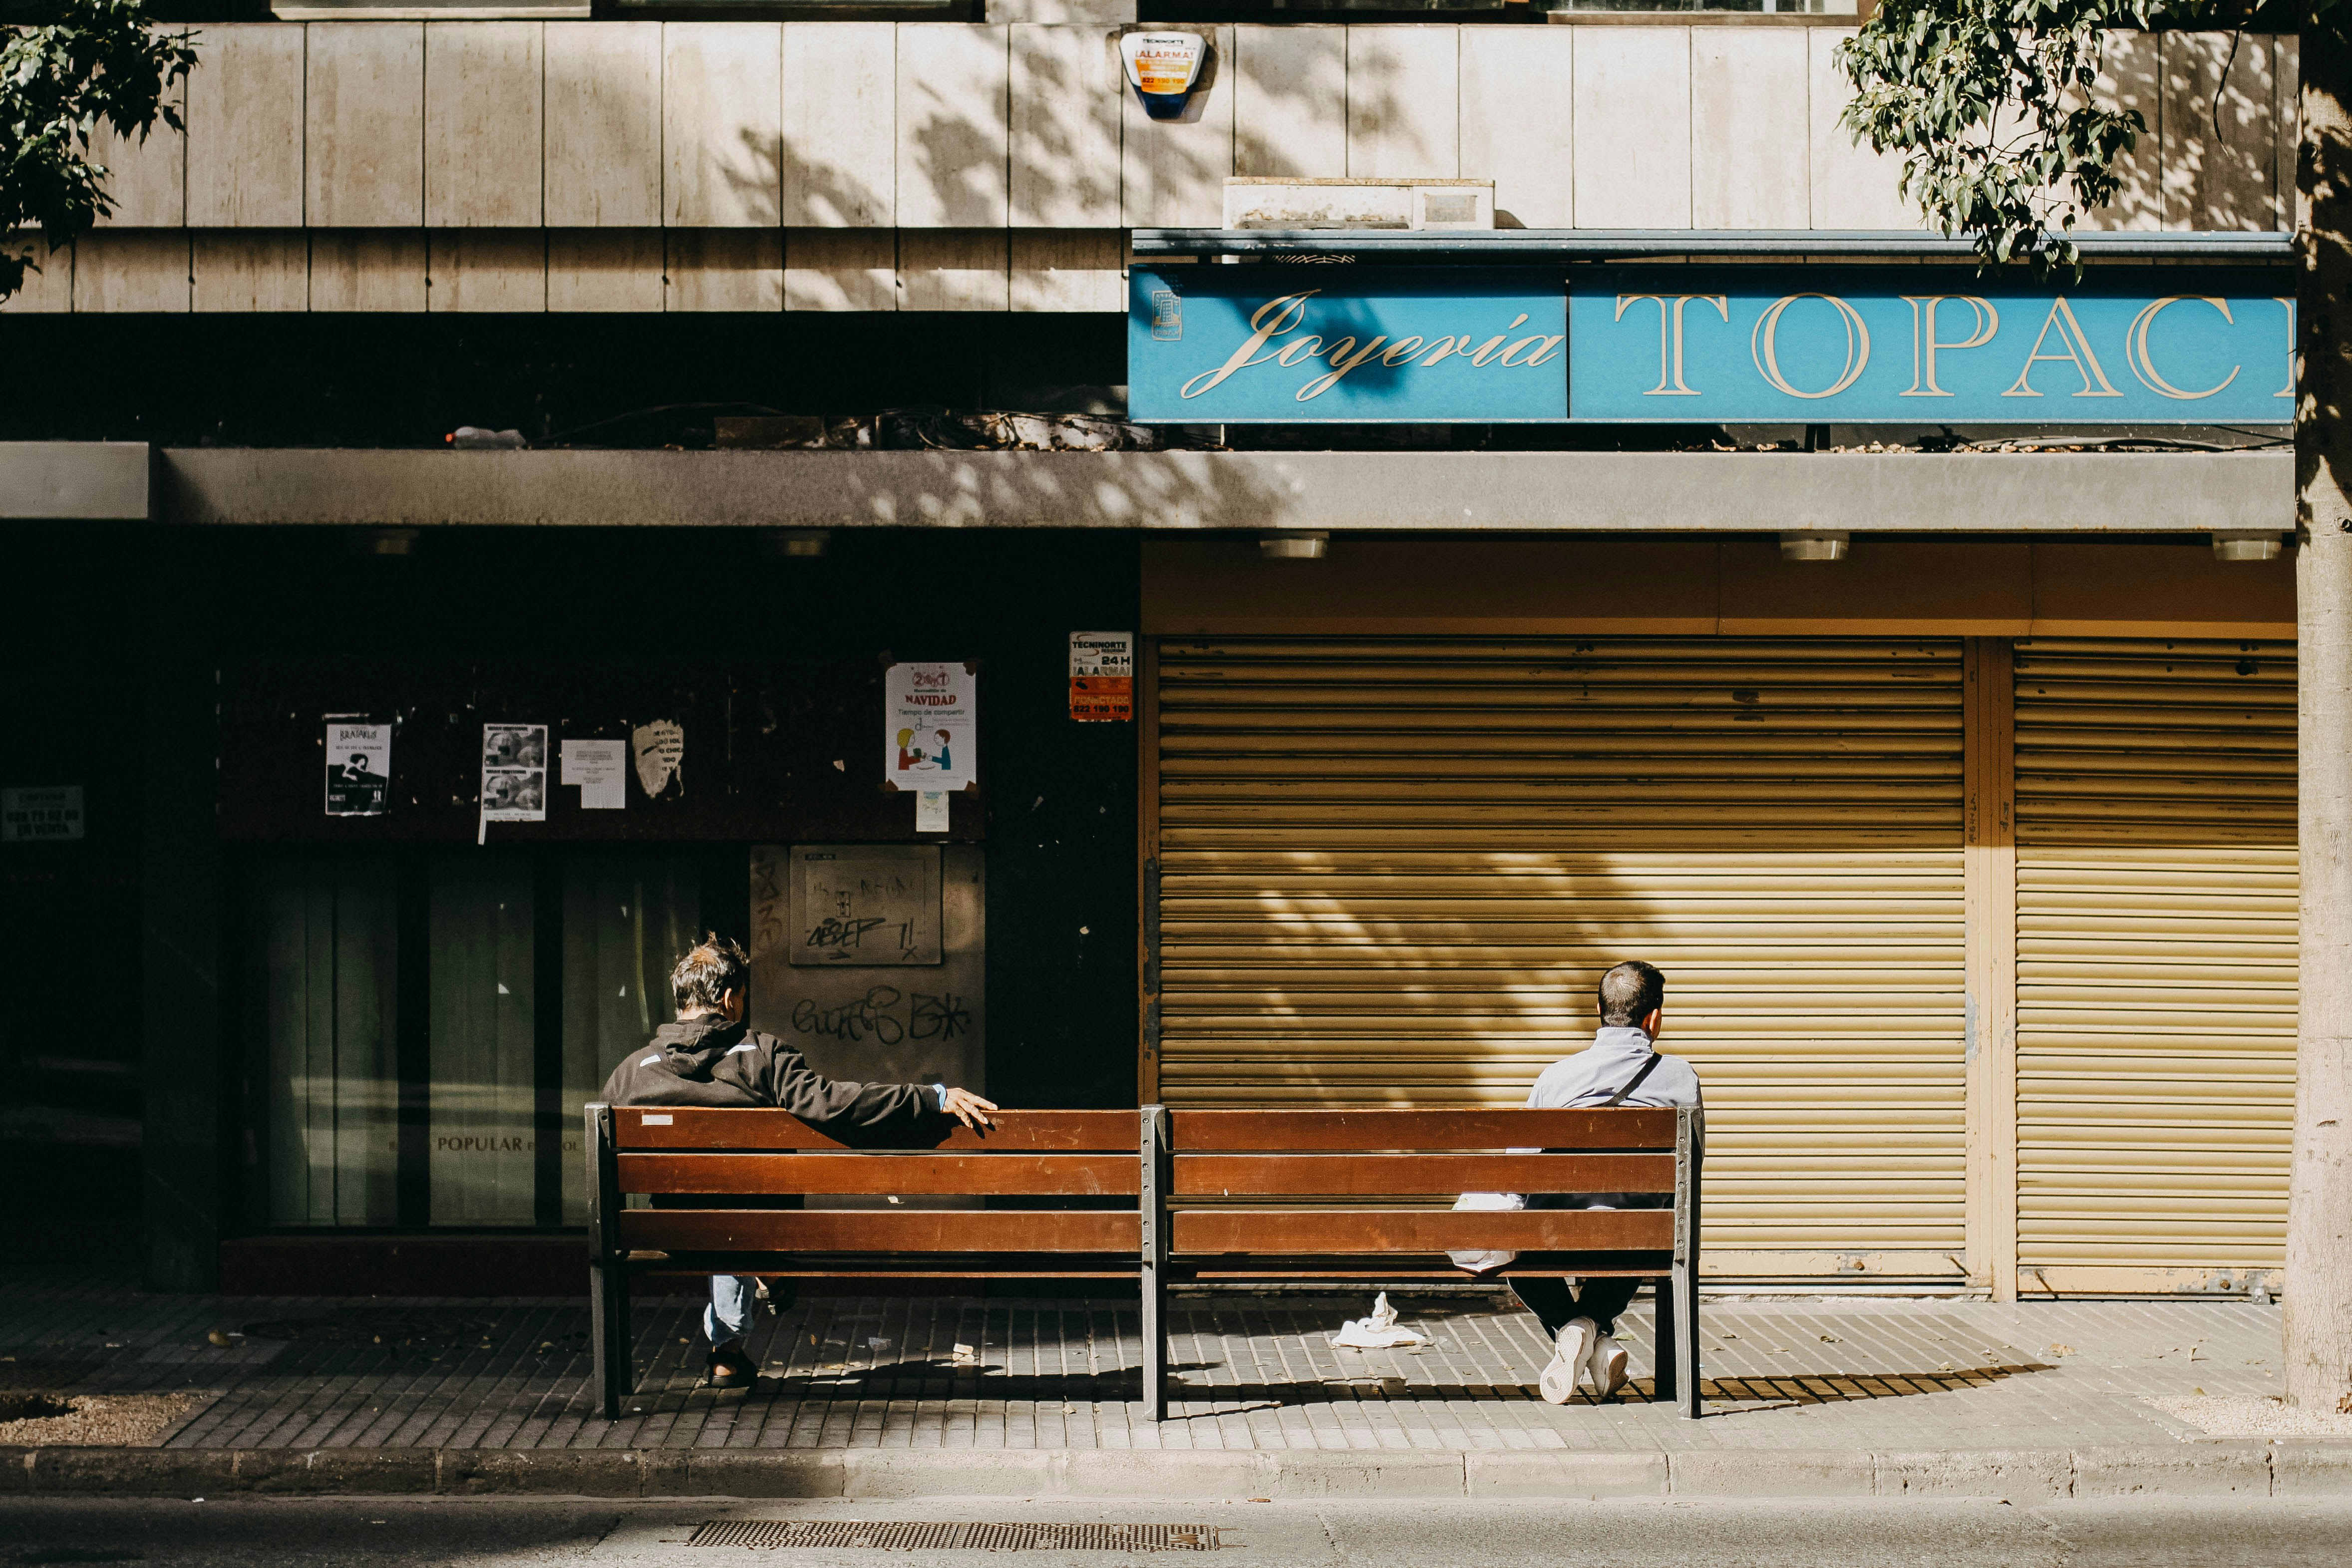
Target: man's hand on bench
968	1108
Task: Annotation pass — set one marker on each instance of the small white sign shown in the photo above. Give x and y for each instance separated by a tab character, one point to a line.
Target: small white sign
929	728
600	768
931	810
1102	653
36	814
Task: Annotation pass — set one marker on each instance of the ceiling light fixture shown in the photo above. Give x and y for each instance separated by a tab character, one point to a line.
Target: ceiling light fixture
1813	546
1293	547
2261	545
799	543
383	541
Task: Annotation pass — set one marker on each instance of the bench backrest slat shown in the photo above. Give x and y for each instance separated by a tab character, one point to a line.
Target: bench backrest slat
907	1174
1384	1176
1278	1232
1238	1132
964	1231
684	1127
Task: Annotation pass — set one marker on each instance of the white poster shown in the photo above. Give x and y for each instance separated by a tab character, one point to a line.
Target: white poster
660	747
359	768
929	727
514	774
600	768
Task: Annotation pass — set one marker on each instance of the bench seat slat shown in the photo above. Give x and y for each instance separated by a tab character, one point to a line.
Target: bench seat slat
1368	1132
1289	1231
1025	1174
703	1127
1381	1176
870	1266
1410	1266
869	1231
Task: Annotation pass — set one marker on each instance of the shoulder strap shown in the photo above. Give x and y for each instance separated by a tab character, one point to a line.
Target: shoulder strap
1633	1083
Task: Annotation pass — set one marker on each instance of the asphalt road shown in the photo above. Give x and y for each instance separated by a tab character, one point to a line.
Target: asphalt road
358	1532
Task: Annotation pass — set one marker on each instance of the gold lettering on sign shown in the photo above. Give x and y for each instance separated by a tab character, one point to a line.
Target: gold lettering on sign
1306	348
1547	349
2143	364
1761	349
1280	317
2289	390
1670	335
1272	319
1342	362
1487	349
2078	354
1925	343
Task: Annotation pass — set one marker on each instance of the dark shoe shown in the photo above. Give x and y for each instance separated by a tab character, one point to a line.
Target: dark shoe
730	1368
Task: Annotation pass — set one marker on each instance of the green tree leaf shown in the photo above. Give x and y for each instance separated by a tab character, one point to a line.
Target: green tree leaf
100	63
1992	105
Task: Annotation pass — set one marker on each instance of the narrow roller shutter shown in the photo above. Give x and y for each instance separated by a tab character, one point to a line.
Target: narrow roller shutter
2155	933
1393	871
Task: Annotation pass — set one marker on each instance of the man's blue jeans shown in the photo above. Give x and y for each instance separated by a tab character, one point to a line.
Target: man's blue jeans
730	1312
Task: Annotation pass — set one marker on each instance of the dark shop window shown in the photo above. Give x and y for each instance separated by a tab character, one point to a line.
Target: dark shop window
423	1029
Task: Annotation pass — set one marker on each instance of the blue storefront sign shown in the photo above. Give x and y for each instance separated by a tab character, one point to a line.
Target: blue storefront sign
1229	345
1767	345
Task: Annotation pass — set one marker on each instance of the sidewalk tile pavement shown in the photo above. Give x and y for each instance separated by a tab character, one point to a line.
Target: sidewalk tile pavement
1257	1371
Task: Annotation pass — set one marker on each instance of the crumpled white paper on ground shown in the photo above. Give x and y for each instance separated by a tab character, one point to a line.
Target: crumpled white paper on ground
1379	1331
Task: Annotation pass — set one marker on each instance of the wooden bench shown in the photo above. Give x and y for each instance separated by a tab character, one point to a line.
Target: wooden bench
1201	1197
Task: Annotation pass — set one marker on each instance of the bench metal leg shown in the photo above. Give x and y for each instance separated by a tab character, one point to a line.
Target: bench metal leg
1683	1308
1685	1299
613	1345
1664	1342
1151	1269
1155	1347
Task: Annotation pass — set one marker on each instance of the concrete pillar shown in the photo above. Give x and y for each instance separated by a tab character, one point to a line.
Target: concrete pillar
179	895
2319	1219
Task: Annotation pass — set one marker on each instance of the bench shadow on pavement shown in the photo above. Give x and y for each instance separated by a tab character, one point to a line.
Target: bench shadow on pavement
946	1380
1834	1388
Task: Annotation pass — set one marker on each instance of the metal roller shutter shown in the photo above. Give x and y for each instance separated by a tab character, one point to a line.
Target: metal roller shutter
1393	870
2156	961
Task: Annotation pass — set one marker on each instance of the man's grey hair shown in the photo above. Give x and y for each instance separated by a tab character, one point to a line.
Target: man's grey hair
711	967
1629	993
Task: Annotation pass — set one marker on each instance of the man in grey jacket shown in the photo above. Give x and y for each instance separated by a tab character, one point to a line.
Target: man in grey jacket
1623	1066
708	1057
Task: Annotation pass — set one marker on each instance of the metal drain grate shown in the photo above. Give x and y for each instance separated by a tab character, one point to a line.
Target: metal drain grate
768	1534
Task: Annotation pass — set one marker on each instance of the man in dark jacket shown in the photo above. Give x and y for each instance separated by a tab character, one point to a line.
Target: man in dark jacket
710	1057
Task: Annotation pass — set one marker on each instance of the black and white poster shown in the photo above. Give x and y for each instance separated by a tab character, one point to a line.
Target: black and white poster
514	774
359	768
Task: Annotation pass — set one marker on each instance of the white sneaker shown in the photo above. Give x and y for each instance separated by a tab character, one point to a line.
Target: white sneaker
1605	1363
1570	1353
